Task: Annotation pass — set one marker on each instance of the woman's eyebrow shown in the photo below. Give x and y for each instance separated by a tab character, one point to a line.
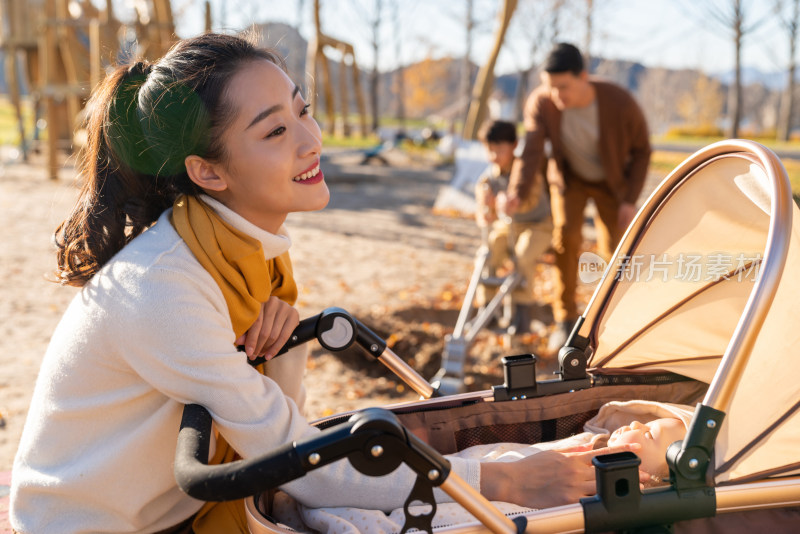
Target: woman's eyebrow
270	110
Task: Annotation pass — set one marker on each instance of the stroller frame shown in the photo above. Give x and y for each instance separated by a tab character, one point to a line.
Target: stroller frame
617	505
449	379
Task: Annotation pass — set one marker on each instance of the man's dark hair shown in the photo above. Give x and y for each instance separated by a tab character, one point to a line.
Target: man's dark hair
498	132
564	57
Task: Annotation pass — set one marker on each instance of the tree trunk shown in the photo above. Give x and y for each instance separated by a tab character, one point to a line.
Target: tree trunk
485	81
587	54
400	81
466	67
784	130
375	76
736	108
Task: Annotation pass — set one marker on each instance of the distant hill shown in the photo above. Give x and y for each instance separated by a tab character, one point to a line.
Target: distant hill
773	80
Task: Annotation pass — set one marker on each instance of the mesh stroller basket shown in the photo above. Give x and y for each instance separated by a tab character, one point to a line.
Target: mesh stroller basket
697	307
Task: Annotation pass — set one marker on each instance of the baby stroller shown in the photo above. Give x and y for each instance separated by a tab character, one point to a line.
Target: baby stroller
724	340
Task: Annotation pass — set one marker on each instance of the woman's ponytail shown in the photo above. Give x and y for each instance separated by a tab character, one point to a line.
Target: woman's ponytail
117	202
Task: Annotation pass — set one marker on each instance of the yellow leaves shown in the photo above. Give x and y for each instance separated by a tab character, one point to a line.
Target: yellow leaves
426	86
392	340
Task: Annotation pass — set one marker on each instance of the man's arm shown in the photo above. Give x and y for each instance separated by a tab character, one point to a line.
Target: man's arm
523	172
636	169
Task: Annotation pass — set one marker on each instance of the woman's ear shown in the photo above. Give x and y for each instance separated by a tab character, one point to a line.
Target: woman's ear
204	174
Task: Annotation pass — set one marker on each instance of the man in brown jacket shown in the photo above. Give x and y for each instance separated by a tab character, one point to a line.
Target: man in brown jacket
599	148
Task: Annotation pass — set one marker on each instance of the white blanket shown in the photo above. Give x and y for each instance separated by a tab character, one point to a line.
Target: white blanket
345	520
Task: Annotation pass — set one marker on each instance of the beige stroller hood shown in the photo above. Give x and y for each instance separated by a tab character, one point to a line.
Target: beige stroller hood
680	284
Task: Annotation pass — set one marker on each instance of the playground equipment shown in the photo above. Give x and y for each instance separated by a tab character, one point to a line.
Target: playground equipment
318	61
64	46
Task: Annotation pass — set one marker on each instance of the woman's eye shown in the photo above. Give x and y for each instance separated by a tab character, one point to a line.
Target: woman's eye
277	131
648	435
305	109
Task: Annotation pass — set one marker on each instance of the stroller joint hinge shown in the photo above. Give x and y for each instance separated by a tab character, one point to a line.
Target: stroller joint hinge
689	460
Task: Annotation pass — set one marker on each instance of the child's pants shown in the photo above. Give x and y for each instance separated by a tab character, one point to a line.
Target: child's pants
531	240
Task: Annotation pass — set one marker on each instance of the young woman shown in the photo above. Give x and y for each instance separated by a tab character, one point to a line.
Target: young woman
177	242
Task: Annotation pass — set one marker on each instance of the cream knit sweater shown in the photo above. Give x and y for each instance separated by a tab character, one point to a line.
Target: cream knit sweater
148	334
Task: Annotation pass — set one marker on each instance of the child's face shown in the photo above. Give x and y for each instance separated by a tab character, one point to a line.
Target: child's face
501	154
655	437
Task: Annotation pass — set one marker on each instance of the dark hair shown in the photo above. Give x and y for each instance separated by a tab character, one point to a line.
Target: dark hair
564	57
143	121
498	132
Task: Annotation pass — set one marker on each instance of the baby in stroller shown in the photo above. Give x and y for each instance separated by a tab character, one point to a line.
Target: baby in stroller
651	426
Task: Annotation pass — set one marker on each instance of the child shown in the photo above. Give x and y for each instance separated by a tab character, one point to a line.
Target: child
525	235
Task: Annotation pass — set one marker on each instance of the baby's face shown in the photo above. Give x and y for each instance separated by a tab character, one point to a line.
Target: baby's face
655	437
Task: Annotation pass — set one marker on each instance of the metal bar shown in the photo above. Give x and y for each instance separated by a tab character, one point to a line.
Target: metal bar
406	373
477	505
510	283
480	262
778	493
744	337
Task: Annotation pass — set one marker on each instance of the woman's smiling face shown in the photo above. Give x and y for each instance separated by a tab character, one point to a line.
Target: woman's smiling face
655	437
272	148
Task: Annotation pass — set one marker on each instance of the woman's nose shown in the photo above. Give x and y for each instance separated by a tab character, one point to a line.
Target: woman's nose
636	425
309	139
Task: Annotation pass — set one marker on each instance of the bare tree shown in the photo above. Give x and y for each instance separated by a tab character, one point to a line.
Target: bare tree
733	17
536	24
399	74
466	69
791	23
587	44
374	79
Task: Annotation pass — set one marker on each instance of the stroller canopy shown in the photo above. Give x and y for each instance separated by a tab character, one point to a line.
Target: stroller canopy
680	286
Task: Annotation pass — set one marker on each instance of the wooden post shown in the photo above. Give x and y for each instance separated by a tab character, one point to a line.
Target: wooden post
165	25
362	110
69	51
326	89
343	93
208	16
47	67
485	81
95	44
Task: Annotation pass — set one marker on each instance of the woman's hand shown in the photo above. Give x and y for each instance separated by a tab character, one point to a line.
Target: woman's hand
545	479
275	323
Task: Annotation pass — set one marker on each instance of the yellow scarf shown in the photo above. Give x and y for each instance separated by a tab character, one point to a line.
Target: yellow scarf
236	263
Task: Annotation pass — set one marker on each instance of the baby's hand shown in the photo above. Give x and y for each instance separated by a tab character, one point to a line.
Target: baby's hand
275	323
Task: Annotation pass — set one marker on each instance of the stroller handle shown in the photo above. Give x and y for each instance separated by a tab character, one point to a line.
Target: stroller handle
337	330
354	439
373	440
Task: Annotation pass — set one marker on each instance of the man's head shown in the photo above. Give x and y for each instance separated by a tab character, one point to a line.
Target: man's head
500	140
564	73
